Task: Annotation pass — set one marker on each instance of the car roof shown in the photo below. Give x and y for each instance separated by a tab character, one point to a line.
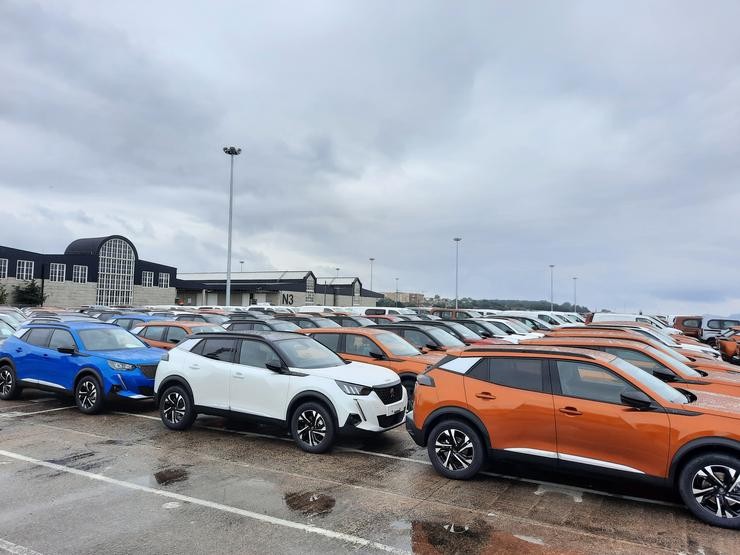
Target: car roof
535	349
176	323
405	324
595	341
356	330
269	335
74	325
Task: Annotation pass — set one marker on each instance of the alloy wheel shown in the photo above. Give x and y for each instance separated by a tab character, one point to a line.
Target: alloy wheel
311	427
6	381
454	449
87	394
716	488
174	407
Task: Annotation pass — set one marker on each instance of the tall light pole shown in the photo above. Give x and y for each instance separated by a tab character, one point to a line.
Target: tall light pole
241	263
552	289
396	291
575	298
337	269
231	151
457	264
371	273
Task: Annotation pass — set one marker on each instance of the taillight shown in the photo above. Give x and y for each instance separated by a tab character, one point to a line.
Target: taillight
424	379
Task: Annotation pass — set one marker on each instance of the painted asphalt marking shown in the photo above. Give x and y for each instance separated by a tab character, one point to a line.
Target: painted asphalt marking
19	414
349	538
551	486
16	549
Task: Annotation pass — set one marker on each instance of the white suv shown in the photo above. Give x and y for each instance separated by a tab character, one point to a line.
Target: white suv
278	377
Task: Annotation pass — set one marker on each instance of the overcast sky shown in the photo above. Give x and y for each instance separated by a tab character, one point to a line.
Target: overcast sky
600	137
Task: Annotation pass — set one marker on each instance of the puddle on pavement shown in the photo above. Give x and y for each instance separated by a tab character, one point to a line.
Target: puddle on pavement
170	476
473	538
310	503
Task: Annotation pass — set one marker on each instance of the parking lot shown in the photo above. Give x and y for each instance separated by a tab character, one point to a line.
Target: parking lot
121	481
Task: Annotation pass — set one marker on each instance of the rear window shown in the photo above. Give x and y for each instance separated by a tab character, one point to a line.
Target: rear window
692	323
519	373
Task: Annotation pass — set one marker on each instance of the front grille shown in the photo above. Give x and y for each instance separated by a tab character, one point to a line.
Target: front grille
389	395
388	421
149	370
148	391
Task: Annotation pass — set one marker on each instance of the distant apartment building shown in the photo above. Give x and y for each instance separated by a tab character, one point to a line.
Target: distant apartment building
413	299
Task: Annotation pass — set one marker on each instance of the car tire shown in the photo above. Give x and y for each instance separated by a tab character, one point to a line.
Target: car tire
176	408
89	395
409	385
456	450
9	388
705	482
312	427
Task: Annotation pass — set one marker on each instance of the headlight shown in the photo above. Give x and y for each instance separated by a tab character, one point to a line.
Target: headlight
353	388
120	365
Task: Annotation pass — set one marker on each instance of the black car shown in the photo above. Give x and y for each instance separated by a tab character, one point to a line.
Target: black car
455	328
352	321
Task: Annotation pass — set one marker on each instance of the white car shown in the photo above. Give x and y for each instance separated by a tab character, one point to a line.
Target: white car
278	377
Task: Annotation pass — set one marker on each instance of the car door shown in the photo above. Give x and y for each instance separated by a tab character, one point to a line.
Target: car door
512	397
62	367
358	347
594	428
30	364
255	389
173	335
208	371
155	336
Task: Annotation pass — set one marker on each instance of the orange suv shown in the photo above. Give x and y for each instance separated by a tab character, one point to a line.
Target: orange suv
575	409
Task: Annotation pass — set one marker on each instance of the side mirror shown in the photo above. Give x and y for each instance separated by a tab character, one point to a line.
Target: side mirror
432	347
67	350
664	375
174	341
636	399
275	365
486	334
376	355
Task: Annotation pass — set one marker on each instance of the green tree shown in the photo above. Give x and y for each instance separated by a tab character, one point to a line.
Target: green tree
29	294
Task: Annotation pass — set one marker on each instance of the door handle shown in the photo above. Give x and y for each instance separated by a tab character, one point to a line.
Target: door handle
570	411
195	366
485	395
46	356
239	375
19	350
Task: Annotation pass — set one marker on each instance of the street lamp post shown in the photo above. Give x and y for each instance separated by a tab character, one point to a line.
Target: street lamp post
371	273
241	265
575	298
457	265
231	151
396	292
552	289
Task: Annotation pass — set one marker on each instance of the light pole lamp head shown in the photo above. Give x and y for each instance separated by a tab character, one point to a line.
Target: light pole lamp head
372	259
232	150
457	239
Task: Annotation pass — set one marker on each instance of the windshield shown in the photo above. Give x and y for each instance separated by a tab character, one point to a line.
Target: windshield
207	329
444	338
673	362
653	384
12	317
396	345
325	323
473	314
364	321
517	326
304	352
503	326
524	322
109	339
282	325
467	333
5	329
663	338
488	326
216	318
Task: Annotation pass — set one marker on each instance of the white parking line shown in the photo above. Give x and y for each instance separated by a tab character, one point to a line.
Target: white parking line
349	538
10	547
19	414
554	486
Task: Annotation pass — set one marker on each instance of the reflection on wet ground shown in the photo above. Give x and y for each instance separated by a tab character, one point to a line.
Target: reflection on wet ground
170	476
310	503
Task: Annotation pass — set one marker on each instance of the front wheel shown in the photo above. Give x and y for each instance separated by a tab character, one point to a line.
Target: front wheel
176	408
312	427
89	395
710	487
9	388
456	450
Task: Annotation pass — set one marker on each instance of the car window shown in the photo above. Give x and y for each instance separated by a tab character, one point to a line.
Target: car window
176	334
219	349
637	358
714	324
416	338
110	338
592	382
330	340
256	353
261	327
396	345
519	373
62	339
241	326
155	333
693	323
304	352
38	337
360	345
284	326
480	371
729	323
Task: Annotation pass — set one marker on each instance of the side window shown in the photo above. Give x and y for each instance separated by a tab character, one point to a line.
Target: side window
644	320
38	337
154	333
241	326
62	339
261	327
347	323
519	373
374	311
480	371
589	381
416	338
714	324
360	345
329	340
304	323
256	353
691	323
637	358
175	334
219	349
729	323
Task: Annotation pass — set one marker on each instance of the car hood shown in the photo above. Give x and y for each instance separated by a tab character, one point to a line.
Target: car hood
355	372
714	365
724	377
715	403
132	356
427	358
699	349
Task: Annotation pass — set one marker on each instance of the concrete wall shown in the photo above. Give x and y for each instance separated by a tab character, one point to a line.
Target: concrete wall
154	295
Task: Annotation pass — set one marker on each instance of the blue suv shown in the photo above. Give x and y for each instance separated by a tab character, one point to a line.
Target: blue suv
93	361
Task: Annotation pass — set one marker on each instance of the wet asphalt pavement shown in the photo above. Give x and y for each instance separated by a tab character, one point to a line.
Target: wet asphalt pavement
121	482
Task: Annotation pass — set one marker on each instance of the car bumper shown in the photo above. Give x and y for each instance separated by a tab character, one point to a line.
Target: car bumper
371	414
415	433
133	386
